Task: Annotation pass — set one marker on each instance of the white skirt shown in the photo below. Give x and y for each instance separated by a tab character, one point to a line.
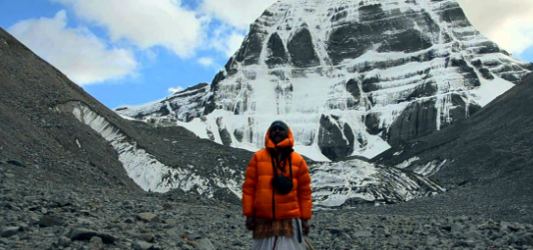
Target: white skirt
297	242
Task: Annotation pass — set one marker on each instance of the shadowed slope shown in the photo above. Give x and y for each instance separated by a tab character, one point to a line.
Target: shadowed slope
488	157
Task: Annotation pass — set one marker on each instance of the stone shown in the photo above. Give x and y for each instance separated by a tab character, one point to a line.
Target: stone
64	241
106	237
148	217
141	245
168	206
525	239
84	222
205	244
148	237
96	243
81	234
362	234
7	232
50	221
464	243
171	222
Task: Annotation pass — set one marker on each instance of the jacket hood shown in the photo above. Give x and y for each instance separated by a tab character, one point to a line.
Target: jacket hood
288	142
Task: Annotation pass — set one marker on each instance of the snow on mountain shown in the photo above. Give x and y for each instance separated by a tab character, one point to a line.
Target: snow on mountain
342	183
350	77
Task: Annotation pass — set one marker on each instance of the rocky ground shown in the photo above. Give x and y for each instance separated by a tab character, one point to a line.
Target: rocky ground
76	217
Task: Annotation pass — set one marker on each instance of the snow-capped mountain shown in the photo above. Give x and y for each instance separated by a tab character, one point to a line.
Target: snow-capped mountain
350	77
55	134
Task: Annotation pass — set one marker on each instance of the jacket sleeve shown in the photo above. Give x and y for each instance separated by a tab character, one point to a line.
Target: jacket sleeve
249	186
304	191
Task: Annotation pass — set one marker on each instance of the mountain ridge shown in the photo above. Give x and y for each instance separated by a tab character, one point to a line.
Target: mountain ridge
351	78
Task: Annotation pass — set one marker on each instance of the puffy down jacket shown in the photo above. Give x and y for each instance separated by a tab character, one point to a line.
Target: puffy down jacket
259	197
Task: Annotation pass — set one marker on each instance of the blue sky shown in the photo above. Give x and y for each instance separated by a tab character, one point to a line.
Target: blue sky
129	52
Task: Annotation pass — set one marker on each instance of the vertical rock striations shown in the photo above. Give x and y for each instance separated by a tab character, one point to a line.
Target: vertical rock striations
351	77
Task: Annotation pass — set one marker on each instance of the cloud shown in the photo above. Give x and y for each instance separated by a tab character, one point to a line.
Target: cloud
233	43
237	13
145	23
174	90
205	61
78	53
509	23
226	40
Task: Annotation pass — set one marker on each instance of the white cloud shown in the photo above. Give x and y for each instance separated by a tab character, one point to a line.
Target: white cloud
237	13
78	53
174	90
145	23
226	39
205	61
509	23
233	43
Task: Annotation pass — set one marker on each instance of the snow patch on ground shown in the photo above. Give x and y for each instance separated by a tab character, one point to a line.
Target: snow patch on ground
142	167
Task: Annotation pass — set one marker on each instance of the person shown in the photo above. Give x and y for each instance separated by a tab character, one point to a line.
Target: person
276	197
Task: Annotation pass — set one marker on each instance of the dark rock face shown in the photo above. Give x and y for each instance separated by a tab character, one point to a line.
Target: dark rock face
454	14
487	48
371	12
210	106
370	84
238	135
406	41
352	86
225	136
469	73
277	54
251	47
485	73
231	67
426	89
339	15
459	112
331	141
372	123
427	24
418	119
302	50
340	48
510	77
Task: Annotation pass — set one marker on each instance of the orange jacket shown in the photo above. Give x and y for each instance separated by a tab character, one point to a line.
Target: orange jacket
259	198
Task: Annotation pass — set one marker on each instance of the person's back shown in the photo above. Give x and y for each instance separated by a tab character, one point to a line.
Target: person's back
277	193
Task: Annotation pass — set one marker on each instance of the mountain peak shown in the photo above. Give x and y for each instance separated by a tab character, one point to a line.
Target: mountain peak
351	78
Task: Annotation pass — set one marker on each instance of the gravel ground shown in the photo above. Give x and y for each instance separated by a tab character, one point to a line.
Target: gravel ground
76	217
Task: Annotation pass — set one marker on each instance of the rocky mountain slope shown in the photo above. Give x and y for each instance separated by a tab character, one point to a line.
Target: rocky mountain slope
352	78
487	157
41	146
54	133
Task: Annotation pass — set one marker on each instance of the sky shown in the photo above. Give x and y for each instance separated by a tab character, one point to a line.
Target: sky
131	52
